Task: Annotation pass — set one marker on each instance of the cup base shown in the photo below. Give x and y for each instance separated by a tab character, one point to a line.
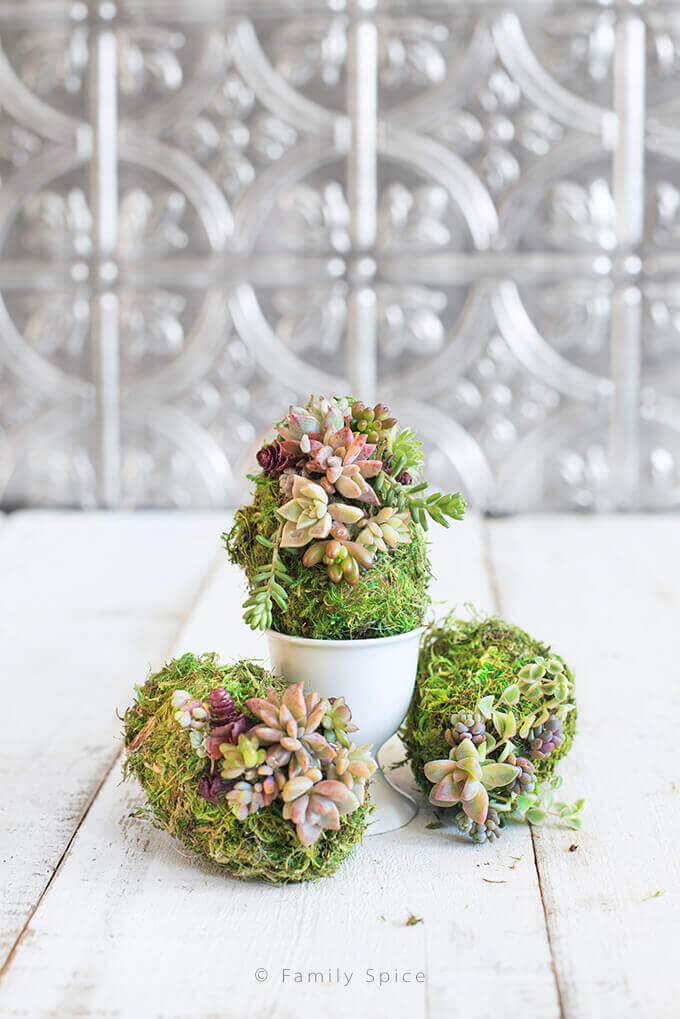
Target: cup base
393	809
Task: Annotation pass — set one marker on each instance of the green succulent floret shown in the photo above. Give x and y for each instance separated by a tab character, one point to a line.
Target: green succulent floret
466	665
388	599
245	832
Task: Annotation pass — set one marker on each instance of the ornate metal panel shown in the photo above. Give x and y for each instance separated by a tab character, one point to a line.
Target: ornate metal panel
209	209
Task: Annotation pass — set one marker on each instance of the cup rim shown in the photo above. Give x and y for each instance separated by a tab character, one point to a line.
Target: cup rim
358	643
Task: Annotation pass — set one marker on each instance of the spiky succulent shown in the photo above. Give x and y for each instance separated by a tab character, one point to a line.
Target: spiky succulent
315	804
386	529
344	462
465	778
289	728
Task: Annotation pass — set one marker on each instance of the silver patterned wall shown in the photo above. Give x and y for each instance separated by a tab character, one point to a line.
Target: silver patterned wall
210	209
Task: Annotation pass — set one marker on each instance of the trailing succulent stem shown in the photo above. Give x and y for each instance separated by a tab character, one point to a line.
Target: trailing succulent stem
266	585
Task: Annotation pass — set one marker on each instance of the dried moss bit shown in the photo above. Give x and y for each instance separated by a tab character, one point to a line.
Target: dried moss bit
413	920
264	845
462	662
390	598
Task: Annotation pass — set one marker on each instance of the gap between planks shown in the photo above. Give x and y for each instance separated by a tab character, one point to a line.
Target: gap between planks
495	589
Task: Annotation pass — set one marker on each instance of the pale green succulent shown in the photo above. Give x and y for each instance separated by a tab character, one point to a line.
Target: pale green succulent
544	676
320	413
465	778
343	559
337	722
315	806
247	797
242	757
353	766
189	712
306	514
386	529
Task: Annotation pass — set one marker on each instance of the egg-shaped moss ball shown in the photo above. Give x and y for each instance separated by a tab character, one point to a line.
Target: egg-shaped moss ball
390	598
159	754
460	662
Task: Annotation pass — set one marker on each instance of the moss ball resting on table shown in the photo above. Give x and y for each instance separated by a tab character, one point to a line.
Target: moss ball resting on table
460	663
389	599
492	714
165	758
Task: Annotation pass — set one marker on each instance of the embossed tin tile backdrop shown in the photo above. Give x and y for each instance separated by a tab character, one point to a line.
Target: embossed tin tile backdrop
209	210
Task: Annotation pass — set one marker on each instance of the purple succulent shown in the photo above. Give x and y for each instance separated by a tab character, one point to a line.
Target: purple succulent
213	787
228	733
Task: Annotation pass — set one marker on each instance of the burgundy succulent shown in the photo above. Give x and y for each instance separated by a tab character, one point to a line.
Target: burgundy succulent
222	707
228	733
273	459
213	787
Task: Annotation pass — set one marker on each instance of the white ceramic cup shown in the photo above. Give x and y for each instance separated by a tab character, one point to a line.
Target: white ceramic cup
376	678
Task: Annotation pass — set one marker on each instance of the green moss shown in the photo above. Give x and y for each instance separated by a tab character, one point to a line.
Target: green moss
263	846
460	662
390	598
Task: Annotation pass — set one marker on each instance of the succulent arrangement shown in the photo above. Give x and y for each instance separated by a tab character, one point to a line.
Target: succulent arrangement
492	713
340	491
260	777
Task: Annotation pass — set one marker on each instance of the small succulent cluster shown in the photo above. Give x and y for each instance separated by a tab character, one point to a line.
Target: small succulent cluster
350	490
490	773
296	748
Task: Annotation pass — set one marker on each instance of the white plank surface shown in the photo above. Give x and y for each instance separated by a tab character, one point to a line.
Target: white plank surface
605	591
131	927
87	603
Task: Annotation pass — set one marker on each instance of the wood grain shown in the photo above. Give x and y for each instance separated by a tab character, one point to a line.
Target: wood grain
87	603
131	927
604	590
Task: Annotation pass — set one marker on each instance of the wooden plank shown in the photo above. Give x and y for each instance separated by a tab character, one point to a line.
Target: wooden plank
87	603
604	590
129	926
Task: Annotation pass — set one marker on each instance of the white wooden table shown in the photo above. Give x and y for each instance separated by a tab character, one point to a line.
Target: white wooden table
101	915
